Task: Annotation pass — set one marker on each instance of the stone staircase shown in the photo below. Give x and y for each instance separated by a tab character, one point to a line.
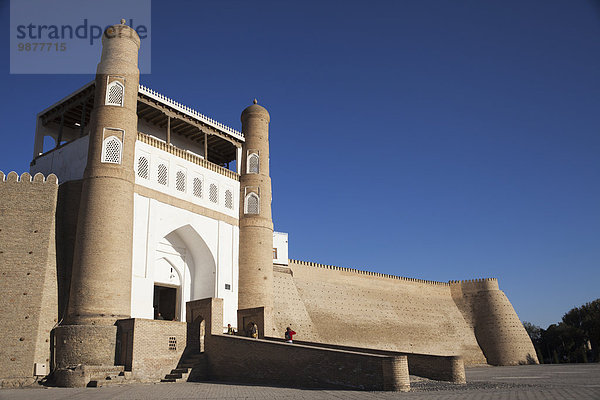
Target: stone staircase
191	367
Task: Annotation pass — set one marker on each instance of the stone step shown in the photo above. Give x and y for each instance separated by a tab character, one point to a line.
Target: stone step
180	371
186	365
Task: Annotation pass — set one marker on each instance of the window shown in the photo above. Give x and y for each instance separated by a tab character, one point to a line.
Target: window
163	174
229	199
143	167
252	204
253	163
274	253
180	181
213	193
112	148
197	187
115	92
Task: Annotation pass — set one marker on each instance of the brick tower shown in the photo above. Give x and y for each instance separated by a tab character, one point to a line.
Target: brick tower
100	290
256	224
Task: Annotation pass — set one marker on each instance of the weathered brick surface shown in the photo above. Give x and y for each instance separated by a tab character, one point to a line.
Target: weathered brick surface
471	319
28	273
67	210
240	359
341	306
497	327
146	349
443	368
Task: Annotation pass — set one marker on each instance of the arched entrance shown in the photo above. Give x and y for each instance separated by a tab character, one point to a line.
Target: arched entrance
184	270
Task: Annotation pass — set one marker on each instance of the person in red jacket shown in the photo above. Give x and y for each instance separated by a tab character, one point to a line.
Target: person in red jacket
289	335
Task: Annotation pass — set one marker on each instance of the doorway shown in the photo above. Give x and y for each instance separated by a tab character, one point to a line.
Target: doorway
165	302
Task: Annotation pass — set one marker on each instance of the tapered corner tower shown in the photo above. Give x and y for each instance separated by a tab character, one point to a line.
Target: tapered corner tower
256	224
100	290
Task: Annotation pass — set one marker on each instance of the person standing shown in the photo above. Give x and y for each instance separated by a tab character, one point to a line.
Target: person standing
289	335
230	330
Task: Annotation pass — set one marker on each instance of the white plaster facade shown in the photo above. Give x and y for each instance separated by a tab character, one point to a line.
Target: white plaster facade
280	248
67	162
178	248
186	180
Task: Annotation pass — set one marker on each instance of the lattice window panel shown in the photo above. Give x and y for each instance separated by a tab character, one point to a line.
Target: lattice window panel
143	168
163	174
228	199
213	193
111	150
115	92
172	343
252	206
197	187
253	163
180	181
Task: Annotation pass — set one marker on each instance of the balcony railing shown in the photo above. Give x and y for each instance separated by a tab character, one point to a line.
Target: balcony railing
169	148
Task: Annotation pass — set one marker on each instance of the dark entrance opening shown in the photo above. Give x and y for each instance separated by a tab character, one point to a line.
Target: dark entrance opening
165	302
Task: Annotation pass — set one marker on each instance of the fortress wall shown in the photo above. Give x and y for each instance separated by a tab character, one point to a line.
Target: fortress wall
67	212
28	274
365	309
290	308
497	327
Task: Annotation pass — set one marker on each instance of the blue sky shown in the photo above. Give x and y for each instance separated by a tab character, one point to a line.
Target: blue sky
430	139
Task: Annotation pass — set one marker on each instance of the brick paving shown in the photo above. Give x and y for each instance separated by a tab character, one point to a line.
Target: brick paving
530	382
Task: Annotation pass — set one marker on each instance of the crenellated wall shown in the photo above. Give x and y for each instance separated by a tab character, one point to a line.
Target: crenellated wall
365	309
346	306
28	275
497	327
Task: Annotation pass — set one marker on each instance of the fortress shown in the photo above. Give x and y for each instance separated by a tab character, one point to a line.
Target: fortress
144	227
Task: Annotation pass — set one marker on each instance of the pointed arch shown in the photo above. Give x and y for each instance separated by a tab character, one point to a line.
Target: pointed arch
253	163
115	94
112	150
252	204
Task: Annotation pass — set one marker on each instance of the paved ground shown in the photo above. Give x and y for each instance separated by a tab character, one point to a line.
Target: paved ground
529	382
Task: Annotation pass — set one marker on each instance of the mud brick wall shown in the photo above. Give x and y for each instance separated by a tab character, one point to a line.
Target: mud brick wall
27	274
443	368
240	359
146	346
492	317
355	308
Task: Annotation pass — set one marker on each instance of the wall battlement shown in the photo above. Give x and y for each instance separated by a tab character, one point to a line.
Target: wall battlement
26	177
459	288
368	273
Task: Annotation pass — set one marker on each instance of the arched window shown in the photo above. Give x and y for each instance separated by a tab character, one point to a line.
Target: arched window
229	199
197	187
253	163
252	205
115	92
143	167
213	193
180	181
112	149
163	174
